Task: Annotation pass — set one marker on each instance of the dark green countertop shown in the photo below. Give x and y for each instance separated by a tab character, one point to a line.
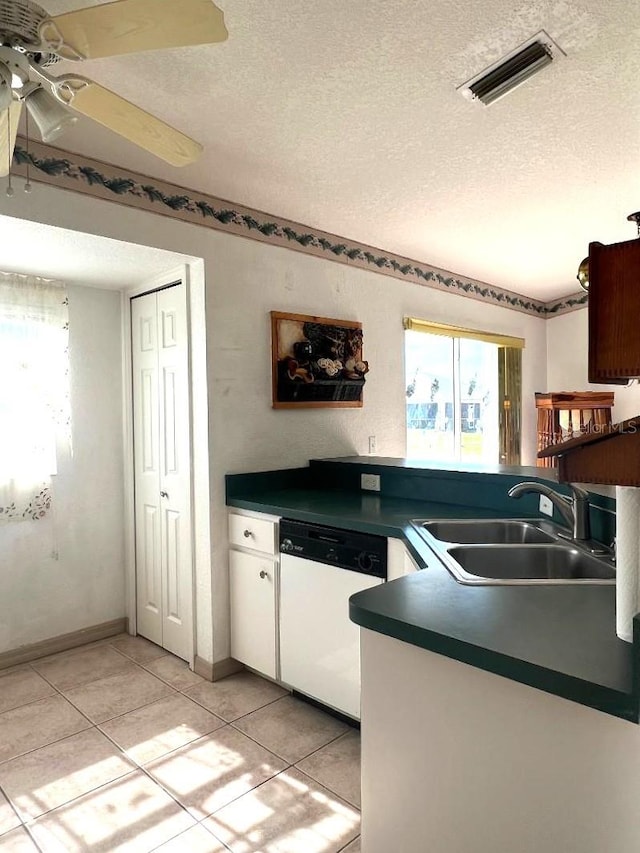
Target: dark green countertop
560	639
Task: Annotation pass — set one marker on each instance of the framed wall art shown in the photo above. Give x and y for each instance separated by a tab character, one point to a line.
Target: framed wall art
316	362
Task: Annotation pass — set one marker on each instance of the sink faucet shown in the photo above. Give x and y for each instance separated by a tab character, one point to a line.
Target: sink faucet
574	510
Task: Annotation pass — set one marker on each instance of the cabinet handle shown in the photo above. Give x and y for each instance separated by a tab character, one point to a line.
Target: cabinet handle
247	534
263	574
164	494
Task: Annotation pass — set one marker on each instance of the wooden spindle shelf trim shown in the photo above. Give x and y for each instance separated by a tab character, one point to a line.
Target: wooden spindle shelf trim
610	456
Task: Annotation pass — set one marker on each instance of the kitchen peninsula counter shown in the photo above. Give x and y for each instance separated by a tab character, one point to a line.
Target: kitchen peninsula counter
560	639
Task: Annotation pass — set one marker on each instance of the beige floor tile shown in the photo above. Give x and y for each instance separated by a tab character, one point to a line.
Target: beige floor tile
175	672
194	840
131	814
21	686
291	728
37	724
53	775
8	818
72	669
354	847
236	695
137	648
337	767
109	697
288	814
17	841
152	731
211	772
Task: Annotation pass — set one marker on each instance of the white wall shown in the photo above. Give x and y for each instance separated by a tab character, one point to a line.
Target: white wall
65	572
567	369
484	764
245	280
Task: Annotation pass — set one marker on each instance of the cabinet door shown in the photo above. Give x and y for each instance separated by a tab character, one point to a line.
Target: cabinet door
253	611
614	304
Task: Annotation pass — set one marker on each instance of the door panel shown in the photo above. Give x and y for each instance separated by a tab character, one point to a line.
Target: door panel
146	434
172	563
175	473
170	333
149	580
170	447
149	432
162	464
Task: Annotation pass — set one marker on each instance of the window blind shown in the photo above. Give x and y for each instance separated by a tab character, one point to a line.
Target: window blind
416	325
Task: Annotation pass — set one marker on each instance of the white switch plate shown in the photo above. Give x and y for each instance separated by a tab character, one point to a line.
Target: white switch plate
370	482
373	445
546	507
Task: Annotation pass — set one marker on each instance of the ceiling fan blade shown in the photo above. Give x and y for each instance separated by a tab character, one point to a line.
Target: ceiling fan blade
123	117
8	130
130	26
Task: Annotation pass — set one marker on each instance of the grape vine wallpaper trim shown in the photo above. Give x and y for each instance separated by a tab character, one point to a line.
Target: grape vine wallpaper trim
74	172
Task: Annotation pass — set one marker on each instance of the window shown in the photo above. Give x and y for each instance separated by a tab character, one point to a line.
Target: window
463	392
33	392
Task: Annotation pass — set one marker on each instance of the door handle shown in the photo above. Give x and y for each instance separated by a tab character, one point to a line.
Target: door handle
164	494
263	574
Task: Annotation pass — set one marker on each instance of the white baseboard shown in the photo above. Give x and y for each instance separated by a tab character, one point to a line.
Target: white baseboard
62	643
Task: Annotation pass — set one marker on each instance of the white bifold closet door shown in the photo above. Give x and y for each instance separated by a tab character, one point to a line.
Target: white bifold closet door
160	361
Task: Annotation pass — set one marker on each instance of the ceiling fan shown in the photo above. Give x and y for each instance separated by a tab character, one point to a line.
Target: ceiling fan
31	40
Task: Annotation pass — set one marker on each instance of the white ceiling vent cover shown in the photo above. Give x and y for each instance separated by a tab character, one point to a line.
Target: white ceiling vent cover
512	70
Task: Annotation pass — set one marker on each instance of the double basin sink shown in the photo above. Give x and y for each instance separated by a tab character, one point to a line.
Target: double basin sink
513	551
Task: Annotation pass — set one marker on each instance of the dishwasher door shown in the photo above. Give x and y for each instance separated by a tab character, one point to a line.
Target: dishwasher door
319	645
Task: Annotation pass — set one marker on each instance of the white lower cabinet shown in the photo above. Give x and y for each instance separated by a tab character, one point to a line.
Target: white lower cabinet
253	611
294	628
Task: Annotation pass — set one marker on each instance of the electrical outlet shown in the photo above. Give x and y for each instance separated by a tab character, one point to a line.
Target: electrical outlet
373	444
370	482
545	505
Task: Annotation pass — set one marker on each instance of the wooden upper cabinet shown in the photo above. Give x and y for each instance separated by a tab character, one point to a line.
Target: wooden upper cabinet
614	312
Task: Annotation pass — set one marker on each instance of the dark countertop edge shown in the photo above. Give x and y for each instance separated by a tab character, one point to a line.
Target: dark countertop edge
382	529
608	700
600	697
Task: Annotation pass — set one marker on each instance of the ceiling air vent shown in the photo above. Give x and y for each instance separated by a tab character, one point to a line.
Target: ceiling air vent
512	70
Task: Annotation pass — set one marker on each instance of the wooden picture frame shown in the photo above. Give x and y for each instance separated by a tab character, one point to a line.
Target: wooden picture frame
316	362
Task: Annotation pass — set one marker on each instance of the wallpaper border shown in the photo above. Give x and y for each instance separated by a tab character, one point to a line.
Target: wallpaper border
63	169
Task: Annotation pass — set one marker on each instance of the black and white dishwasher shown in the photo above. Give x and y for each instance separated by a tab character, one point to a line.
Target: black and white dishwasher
320	568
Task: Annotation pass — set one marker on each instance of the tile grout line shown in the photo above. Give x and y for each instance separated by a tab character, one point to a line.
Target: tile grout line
92	724
235	719
136	766
324	785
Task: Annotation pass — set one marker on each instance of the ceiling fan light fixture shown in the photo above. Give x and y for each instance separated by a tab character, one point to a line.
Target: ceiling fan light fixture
512	70
50	116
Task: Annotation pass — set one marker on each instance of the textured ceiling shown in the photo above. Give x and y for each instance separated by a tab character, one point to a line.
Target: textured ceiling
80	258
345	116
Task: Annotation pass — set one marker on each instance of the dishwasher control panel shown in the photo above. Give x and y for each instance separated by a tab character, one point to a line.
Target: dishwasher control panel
365	553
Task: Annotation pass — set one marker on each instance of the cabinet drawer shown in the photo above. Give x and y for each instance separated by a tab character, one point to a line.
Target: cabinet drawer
255	533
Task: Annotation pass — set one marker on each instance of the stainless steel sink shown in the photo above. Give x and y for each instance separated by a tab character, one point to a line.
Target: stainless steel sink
528	563
489	532
513	551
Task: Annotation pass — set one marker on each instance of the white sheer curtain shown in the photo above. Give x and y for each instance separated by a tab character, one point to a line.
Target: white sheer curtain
34	392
